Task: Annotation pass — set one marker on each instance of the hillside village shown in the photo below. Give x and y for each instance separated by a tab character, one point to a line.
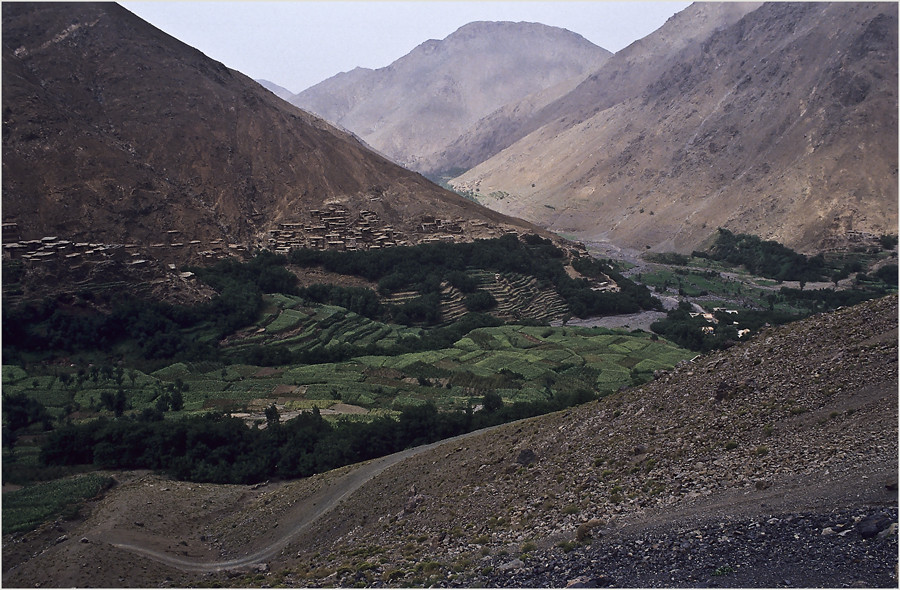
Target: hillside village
334	227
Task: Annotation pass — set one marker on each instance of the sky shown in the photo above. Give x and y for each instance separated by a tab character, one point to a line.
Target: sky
299	43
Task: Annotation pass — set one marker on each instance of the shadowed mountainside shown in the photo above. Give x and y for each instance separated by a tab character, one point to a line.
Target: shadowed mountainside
115	132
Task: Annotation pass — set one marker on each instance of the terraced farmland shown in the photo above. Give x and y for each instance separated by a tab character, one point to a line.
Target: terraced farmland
520	363
520	296
302	327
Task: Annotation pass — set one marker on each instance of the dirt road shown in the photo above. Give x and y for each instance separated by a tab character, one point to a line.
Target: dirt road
293	523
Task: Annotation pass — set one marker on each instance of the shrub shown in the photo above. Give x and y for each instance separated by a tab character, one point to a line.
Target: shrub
567	546
583	532
479	300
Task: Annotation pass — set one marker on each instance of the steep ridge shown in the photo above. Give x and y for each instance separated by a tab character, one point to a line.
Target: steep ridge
279	91
773	463
117	135
491	134
413	108
624	74
782	124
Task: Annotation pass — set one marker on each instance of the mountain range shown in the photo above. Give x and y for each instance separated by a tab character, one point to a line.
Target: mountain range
770	463
729	115
782	124
776	119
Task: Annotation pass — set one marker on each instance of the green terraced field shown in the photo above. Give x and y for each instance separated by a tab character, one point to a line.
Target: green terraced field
24	509
516	361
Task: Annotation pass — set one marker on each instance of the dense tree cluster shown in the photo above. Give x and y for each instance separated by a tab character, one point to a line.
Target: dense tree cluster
684	330
423	268
159	330
221	449
67	324
19	412
766	258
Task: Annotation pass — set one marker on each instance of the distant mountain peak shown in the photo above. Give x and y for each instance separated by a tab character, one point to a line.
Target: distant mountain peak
418	105
275	89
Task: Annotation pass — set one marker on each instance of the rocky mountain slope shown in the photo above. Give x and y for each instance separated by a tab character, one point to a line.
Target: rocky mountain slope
412	109
624	74
780	121
773	463
121	142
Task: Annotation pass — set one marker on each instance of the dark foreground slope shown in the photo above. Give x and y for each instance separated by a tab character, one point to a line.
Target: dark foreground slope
773	463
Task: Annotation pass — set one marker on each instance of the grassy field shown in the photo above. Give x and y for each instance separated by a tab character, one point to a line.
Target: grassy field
717	284
26	508
519	363
721	284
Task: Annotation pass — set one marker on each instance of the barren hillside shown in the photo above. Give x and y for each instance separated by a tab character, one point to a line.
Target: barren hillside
783	124
625	73
121	143
773	463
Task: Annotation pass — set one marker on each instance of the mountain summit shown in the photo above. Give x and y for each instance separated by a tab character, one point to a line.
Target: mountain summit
413	108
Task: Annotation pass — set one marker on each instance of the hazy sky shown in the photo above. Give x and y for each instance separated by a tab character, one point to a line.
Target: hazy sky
297	44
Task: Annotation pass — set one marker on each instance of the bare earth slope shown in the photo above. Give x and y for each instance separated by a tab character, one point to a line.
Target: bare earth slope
624	74
413	108
773	463
781	124
116	133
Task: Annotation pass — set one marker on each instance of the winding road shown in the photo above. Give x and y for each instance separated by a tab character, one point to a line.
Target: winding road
312	508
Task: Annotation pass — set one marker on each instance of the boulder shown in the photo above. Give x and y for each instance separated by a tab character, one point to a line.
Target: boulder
526	457
873	524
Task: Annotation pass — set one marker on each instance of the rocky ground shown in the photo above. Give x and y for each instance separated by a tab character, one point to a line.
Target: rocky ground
773	463
846	548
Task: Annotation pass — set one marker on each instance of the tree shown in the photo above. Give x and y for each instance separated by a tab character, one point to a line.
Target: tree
9	441
177	400
479	300
492	401
120	403
273	420
21	411
163	402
